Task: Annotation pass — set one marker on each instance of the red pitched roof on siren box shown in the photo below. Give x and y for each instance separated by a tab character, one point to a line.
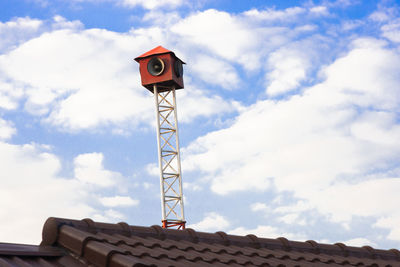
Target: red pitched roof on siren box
156	51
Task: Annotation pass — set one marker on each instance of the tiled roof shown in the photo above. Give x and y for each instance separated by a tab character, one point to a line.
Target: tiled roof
18	255
87	243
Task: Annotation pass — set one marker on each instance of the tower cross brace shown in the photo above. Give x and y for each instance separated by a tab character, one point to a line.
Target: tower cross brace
169	157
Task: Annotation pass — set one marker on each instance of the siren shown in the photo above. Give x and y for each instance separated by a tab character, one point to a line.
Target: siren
178	68
155	66
161	67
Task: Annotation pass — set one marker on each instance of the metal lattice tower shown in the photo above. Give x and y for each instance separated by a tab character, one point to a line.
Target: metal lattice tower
169	158
161	72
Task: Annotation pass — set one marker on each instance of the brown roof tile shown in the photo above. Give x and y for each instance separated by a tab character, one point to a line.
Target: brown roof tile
17	255
87	243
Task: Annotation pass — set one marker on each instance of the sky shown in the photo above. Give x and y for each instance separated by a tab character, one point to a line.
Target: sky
289	121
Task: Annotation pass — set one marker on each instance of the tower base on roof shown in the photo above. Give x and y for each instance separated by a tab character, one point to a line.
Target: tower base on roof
180	225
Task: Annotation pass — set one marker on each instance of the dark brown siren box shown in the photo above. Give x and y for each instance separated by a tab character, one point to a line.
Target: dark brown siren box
161	67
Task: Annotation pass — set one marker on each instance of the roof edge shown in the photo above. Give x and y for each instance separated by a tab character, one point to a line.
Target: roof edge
11	249
51	229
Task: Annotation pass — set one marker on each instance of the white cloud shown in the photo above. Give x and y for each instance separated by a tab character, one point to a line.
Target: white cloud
319	10
287	214
151	4
221	33
384	14
91	80
356	199
379	16
9	96
211	222
109	216
192	186
215	71
17	31
116	201
334	146
42	3
365	77
161	18
21	29
299	206
147	4
33	190
291	13
60	22
288	70
291	219
392	31
377	127
147	185
266	231
258	206
391	222
349	25
7	129
114	214
81	91
216	40
153	169
89	169
194	102
359	242
83	79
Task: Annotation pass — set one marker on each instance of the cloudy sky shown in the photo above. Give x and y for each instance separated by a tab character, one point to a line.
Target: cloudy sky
289	120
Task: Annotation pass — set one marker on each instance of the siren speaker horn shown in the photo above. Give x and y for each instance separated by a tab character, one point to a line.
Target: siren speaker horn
178	68
155	66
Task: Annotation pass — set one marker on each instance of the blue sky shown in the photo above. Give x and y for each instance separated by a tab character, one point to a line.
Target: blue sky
289	120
